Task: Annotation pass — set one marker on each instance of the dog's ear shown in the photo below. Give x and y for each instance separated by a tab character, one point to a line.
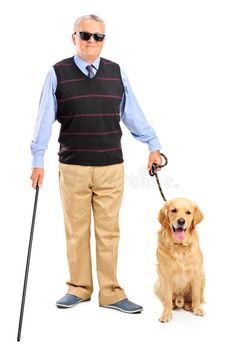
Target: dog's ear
197	216
163	215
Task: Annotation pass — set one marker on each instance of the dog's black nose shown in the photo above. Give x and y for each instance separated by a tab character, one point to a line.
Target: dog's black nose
181	222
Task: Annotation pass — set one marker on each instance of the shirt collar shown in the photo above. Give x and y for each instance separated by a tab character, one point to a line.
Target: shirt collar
81	63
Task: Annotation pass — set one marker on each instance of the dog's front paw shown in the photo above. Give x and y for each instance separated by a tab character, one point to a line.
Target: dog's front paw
166	316
187	306
198	311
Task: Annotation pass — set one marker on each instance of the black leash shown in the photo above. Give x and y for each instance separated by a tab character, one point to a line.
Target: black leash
153	172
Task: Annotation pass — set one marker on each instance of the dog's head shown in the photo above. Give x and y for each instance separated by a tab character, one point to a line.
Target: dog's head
180	216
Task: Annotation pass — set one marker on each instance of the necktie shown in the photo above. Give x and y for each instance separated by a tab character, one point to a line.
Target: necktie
90	71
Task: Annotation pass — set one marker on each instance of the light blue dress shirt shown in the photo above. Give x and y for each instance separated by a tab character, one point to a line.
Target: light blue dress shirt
130	112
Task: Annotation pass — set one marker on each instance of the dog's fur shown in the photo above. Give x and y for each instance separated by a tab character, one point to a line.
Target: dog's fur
181	277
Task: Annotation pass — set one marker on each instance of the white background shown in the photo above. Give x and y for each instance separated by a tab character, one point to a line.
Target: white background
180	58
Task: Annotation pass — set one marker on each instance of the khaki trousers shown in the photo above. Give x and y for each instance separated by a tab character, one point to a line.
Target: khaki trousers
98	189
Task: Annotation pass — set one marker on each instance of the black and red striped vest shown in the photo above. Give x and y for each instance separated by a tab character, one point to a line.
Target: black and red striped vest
89	113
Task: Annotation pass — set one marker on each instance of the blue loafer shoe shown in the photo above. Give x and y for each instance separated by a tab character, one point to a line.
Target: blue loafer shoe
68	301
125	306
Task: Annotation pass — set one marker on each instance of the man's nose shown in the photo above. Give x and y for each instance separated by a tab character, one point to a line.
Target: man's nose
91	39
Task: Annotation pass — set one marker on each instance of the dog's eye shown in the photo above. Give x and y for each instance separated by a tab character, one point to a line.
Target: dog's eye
188	212
174	210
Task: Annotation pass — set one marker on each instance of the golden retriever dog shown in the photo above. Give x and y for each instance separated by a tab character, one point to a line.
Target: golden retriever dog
180	271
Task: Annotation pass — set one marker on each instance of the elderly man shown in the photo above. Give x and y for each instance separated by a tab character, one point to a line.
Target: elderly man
89	95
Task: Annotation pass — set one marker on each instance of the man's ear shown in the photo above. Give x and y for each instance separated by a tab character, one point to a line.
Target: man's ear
73	38
163	215
197	216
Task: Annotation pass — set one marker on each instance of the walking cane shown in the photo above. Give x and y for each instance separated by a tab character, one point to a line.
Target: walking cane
27	264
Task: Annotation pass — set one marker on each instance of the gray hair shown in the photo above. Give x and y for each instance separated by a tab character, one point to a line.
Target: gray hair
87	18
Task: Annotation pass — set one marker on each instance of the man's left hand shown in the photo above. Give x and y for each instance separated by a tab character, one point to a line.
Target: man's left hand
154	157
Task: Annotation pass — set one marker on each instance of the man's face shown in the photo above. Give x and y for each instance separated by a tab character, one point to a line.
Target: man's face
88	50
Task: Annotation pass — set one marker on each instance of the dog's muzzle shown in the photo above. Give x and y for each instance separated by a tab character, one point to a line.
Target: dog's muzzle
179	230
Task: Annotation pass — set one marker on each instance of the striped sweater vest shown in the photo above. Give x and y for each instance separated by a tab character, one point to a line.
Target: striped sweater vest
89	114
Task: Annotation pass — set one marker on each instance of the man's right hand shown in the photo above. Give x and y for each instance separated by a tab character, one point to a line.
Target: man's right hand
37	176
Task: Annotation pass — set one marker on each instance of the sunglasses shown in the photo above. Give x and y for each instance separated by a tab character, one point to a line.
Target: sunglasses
85	36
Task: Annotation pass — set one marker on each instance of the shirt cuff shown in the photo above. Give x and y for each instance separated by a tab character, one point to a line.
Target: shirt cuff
38	161
154	145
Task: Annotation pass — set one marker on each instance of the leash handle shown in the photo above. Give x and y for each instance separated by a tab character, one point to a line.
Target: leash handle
153	172
155	166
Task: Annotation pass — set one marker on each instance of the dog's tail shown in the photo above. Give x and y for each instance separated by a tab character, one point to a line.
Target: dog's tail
179	301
